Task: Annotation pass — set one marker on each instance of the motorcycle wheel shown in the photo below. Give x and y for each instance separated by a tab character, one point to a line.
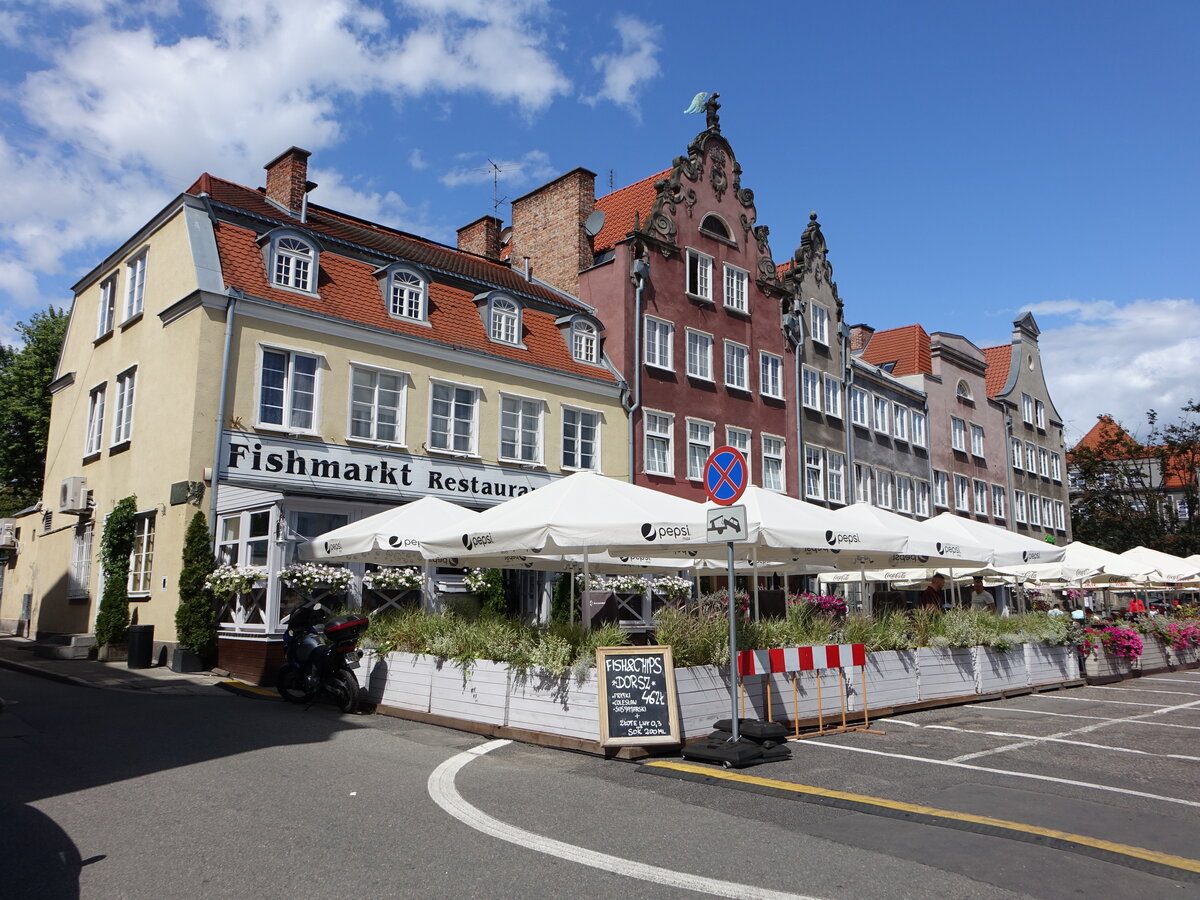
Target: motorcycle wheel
344	689
291	686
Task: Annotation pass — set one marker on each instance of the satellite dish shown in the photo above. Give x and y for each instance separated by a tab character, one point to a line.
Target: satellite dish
594	223
505	236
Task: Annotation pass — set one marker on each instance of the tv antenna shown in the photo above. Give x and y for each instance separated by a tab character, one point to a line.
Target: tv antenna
496	198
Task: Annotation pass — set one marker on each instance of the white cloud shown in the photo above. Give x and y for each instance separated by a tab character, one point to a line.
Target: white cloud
532	168
635	63
417	160
1102	357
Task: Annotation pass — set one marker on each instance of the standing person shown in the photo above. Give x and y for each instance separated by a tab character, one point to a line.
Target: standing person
931	597
980	597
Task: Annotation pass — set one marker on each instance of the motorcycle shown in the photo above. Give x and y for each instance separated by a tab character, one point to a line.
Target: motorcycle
321	654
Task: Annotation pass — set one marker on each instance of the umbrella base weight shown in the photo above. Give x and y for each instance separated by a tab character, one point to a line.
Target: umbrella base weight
755	729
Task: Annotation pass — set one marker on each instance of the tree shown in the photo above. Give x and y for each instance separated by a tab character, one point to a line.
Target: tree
196	616
116	546
1177	449
25	376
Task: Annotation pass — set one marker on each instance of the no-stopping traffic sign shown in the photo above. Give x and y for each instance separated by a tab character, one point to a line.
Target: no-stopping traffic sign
725	475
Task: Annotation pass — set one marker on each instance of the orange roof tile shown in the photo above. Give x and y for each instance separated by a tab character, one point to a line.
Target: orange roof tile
622	207
907	348
998	360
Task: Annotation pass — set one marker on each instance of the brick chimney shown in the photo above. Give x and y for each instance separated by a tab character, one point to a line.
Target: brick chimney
547	227
287	178
481	236
860	336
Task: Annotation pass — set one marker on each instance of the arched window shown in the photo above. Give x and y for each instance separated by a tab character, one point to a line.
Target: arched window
585	346
294	263
505	321
714	226
964	390
406	299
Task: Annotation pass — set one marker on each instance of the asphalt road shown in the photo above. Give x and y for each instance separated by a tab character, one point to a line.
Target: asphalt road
107	794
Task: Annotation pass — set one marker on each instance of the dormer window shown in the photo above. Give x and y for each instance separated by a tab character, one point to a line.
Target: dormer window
504	320
714	226
585	344
408	293
295	260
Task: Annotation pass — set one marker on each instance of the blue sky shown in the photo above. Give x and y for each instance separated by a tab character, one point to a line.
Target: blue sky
969	160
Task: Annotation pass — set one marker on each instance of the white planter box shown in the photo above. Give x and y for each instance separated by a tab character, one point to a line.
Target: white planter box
1186	657
478	693
401	680
788	706
891	680
996	671
703	693
946	672
1154	654
538	701
1099	664
1049	665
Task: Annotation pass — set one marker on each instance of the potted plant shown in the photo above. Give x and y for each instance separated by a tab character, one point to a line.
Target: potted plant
196	615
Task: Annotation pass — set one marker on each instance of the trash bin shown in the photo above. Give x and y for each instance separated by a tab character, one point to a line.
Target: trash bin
141	646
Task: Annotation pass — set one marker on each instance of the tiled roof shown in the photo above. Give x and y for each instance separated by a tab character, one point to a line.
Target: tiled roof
998	360
621	207
388	241
350	291
1109	440
906	347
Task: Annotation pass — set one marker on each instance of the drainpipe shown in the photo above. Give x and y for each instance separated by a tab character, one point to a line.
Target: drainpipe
848	369
641	272
233	294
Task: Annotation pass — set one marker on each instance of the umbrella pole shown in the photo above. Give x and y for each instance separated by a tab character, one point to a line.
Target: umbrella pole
864	601
587	580
754	572
571	602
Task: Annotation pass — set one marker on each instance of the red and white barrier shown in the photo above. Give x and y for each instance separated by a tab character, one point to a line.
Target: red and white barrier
801	659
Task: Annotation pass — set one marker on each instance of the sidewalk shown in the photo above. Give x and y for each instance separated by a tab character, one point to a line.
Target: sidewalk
21	654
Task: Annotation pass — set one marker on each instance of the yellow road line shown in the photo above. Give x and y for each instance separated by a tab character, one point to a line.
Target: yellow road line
250	688
1154	856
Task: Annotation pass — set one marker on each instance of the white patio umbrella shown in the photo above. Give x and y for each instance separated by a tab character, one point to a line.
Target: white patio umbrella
1082	563
1162	566
1008	547
391	538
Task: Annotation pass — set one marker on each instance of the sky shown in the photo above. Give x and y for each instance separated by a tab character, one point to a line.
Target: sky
969	160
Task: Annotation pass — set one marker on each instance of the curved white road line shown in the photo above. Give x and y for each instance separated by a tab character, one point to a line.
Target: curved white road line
444	793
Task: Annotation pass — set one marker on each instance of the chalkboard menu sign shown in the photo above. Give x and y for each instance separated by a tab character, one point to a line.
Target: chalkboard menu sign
637	696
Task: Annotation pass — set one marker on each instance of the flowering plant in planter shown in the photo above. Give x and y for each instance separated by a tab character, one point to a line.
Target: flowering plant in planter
1120	642
630	584
720	600
830	605
673	586
393	578
226	580
1177	635
306	576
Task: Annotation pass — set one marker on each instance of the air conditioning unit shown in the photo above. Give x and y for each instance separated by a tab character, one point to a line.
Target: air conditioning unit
73	495
8	534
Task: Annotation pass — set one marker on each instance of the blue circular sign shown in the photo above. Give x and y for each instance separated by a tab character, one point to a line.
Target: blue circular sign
725	475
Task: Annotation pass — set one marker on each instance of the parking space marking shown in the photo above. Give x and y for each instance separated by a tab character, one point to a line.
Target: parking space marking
1085	729
1136	690
1168	680
1093	700
1032	776
1124	854
1046	712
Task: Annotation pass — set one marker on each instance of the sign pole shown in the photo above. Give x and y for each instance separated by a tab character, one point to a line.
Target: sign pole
733	671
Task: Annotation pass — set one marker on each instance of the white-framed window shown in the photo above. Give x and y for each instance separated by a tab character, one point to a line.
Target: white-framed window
135	286
941	482
835	464
977	440
997	501
1035	510
1044	461
1039	414
737	361
1026	409
80	574
660	336
1056	467
811	382
739	439
141	560
504	321
885	483
883	415
904	494
1060	515
407	296
820	324
580	439
521	429
1017	462
736	281
94	438
900	422
453	418
244	538
699	275
377	404
1047	512
699	447
107	310
1030	458
864	478
860	407
1019	507
962	493
981	498
814	472
833	396
963	391
287	394
958	434
921	500
773	449
770	375
585	342
123	408
920	433
294	263
659	453
699	355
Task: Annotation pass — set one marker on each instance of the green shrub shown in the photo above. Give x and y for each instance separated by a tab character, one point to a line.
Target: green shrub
196	615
